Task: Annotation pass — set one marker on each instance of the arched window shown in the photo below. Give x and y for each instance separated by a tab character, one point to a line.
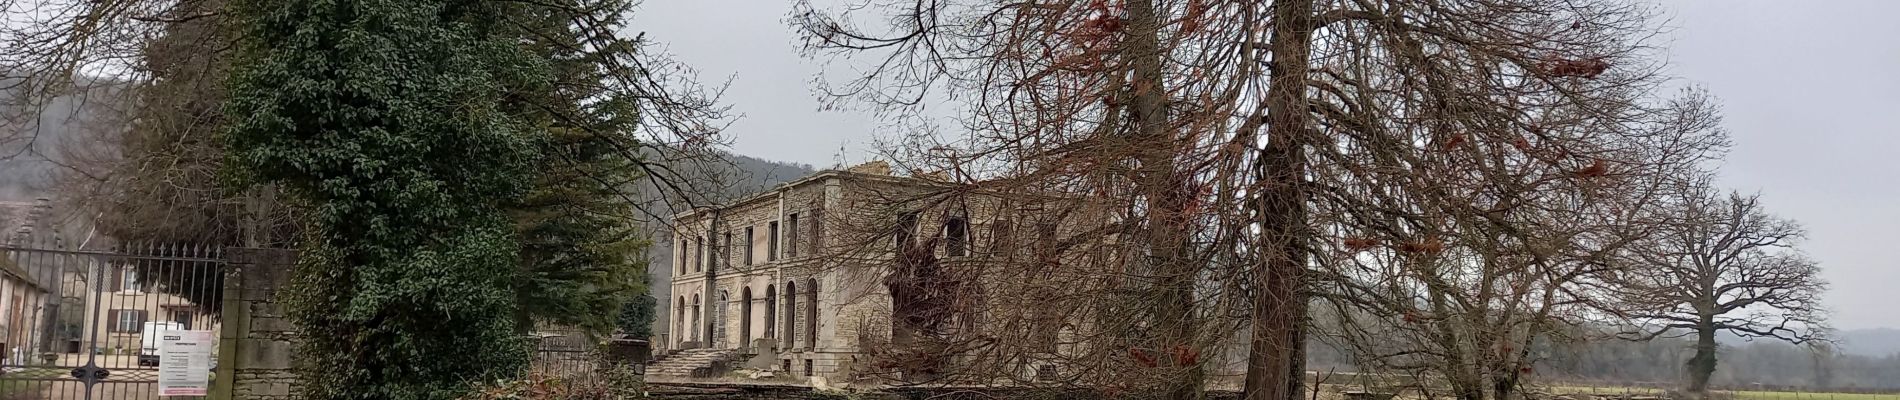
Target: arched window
679	322
696	314
771	313
745	317
811	314
956	237
720	318
791	314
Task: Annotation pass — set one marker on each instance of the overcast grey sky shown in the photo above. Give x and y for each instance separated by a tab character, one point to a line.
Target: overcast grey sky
1811	91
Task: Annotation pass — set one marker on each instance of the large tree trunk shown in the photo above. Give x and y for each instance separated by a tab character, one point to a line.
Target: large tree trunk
1279	307
1504	385
1703	364
1168	195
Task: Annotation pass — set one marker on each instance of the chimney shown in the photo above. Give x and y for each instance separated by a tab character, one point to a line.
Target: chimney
878	167
938	176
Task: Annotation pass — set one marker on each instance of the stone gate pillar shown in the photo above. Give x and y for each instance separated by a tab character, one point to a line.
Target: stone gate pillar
256	344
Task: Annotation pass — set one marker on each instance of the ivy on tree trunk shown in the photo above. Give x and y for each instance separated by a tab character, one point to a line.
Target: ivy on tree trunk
384	120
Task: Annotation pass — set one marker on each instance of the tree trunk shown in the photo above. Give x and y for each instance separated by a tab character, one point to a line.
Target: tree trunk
1703	364
1274	367
1504	385
1168	195
1469	391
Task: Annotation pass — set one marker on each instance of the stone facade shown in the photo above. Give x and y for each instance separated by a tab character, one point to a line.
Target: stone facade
739	265
802	268
257	340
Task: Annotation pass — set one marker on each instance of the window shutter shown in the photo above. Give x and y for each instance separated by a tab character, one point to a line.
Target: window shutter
117	280
139	316
112	321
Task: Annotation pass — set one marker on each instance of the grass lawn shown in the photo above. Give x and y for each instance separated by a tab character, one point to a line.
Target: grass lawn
1754	395
1739	394
27	380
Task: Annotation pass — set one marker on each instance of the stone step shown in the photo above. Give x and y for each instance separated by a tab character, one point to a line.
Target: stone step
684	362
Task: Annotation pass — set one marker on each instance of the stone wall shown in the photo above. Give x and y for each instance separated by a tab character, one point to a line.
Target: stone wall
256	340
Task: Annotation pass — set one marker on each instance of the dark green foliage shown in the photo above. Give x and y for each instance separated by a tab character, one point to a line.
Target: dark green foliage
464	166
582	252
636	317
384	120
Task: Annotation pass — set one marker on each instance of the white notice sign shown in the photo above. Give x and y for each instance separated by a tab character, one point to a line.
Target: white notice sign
184	362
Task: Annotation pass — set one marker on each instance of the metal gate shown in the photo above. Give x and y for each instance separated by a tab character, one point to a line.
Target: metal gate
81	320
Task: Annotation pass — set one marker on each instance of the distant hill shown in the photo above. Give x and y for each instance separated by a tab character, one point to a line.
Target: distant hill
1877	342
30	142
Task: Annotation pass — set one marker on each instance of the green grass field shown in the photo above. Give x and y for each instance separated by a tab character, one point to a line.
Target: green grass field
1738	394
1754	395
23	381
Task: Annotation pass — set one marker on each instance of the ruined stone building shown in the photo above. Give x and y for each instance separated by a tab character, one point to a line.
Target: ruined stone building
748	270
797	275
859	273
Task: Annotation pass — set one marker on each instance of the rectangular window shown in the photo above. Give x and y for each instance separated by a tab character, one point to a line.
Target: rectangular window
183	318
727	251
699	254
1002	233
125	279
126	321
771	241
748	245
791	231
956	237
817	232
1046	237
132	283
683	254
1044	337
1048	246
906	232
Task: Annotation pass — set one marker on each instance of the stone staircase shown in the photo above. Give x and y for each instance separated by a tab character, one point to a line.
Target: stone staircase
693	363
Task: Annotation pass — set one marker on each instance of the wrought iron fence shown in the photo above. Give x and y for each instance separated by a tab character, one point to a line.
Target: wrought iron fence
82	320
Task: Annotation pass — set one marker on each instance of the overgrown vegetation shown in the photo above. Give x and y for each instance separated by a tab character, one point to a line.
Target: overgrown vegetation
637	317
610	384
394	137
459	171
466	168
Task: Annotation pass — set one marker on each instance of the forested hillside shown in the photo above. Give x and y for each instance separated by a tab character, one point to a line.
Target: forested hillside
1870	342
30	138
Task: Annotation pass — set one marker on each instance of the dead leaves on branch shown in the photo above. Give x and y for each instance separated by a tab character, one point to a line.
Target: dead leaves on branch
1587	68
1426	246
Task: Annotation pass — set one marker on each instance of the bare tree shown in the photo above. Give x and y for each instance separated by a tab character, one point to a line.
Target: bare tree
1113	103
1723	266
1217	126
